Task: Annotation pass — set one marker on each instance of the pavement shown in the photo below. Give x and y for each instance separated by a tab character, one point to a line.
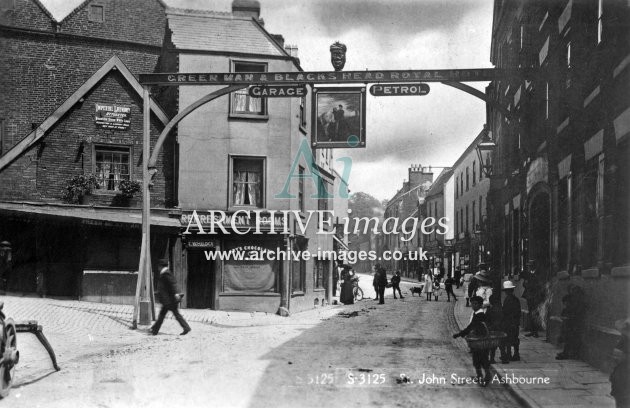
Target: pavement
83	334
572	383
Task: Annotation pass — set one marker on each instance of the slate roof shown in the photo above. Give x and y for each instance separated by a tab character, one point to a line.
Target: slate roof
438	184
219	32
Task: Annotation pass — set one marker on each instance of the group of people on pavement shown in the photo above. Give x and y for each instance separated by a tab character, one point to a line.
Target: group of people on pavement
489	318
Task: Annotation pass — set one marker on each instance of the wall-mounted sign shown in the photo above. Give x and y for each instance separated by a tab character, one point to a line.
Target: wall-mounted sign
243	221
327	77
399	89
112	116
277	91
338	118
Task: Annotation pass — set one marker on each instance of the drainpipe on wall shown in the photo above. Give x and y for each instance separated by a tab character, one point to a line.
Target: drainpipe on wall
283	310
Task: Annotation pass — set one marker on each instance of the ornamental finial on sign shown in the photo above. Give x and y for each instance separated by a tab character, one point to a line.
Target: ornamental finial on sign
338	55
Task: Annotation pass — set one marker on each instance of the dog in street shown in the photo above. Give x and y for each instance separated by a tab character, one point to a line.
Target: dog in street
416	289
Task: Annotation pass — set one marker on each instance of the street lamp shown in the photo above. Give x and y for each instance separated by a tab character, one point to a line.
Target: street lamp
484	150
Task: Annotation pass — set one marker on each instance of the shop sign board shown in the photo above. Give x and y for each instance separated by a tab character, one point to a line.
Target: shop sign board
277	91
322	77
399	89
112	116
241	220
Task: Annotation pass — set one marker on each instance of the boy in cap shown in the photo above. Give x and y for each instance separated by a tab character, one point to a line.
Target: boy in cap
169	298
478	327
511	323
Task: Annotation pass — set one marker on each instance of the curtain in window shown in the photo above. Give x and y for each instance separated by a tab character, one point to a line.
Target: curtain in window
103	175
240	100
252	187
240	183
255	105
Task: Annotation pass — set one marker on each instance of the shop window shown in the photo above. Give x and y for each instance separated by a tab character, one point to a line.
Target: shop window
111	165
590	233
298	271
320	273
564	196
248	180
241	102
96	13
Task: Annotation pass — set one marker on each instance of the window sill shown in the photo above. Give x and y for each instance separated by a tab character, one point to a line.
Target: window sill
245	116
234	208
100	192
296	294
263	294
319	290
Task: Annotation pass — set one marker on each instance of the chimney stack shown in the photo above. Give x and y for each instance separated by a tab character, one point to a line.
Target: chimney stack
246	8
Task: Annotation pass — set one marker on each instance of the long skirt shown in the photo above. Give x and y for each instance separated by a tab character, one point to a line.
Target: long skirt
346	297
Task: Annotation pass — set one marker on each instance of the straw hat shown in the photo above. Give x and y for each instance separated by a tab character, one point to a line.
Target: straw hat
508	285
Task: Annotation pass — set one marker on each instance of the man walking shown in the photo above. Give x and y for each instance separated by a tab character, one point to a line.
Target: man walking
511	323
382	283
168	296
448	285
396	285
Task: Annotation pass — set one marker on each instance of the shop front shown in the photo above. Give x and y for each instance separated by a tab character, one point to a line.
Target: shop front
234	271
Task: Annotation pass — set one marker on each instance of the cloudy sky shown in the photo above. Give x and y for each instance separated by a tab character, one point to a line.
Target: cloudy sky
387	34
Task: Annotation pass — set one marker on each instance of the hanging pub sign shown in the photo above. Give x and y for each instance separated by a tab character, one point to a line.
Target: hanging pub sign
338	118
399	89
112	116
277	91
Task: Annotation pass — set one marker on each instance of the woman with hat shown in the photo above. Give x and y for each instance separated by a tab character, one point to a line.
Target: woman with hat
511	323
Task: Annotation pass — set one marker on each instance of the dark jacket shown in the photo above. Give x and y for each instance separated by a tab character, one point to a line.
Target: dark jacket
448	283
382	278
476	327
395	280
511	311
167	288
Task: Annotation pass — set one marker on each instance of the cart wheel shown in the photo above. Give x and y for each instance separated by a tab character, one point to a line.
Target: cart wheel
10	356
358	294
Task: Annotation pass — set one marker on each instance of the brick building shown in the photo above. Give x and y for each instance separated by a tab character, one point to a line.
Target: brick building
64	83
560	186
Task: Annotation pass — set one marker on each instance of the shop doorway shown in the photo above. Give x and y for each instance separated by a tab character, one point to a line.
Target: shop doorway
201	281
540	233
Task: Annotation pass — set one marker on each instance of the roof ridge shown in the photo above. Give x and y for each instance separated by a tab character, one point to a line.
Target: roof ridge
202	13
45	10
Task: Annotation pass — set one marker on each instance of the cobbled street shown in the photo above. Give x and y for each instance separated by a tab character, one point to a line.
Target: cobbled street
364	354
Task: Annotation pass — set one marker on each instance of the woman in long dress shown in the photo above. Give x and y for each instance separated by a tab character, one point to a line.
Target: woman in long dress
428	285
346	297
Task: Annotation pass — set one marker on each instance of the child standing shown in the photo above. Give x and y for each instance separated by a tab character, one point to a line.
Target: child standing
478	327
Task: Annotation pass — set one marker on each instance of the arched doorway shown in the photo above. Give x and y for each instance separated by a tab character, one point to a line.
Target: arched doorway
540	231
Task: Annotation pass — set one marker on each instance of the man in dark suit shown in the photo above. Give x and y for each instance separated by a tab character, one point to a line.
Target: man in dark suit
169	298
511	323
382	284
396	284
477	327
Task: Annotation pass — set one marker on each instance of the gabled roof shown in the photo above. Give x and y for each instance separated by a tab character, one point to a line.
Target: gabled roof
220	32
40	132
438	184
